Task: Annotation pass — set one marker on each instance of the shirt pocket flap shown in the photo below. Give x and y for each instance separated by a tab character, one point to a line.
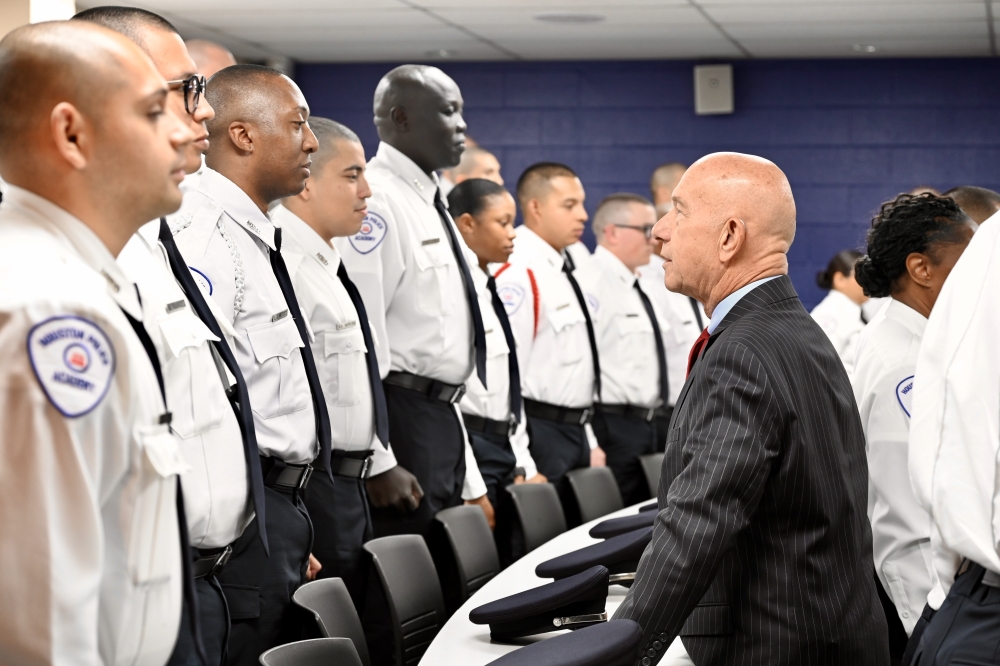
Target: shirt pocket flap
496	343
630	322
564	314
183	329
343	342
277	338
433	252
163	453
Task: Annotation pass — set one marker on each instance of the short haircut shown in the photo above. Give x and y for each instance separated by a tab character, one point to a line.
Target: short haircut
843	263
471	196
665	174
978	203
327	132
390	87
537	176
909	223
468	161
235	91
613	209
129	21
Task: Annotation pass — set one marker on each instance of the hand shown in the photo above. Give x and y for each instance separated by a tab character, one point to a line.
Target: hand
395	488
484	504
597	457
314	567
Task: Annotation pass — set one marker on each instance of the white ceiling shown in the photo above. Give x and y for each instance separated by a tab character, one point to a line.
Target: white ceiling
399	30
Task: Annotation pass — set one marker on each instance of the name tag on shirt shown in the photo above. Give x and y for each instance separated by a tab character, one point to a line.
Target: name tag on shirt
322	259
279	316
430	241
346	324
563	306
175	306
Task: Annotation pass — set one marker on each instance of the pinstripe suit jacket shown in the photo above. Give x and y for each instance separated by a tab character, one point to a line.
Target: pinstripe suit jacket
762	549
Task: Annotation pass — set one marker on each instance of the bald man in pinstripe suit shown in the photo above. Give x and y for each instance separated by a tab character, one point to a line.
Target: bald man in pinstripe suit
762	549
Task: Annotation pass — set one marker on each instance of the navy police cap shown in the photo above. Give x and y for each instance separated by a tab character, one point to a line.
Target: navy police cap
571	603
614	643
619	554
615	526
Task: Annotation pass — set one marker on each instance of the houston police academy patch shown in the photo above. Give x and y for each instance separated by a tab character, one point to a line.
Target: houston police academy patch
201	280
904	394
370	235
511	296
74	362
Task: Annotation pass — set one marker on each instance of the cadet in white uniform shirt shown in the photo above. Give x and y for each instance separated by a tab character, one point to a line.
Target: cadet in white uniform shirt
333	204
840	314
412	271
91	529
552	324
635	383
912	246
260	152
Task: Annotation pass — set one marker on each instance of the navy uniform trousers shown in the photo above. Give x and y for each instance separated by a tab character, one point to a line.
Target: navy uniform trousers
558	448
496	461
213	618
624	439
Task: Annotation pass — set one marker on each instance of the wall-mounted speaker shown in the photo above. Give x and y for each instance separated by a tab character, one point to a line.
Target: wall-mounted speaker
713	89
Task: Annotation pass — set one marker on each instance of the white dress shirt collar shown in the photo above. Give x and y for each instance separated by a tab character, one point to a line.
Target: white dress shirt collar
424	184
613	265
906	316
318	250
84	242
237	204
527	240
723	308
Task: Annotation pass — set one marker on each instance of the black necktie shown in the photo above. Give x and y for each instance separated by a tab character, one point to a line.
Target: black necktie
319	401
479	334
864	319
568	269
661	355
697	312
190	597
374	379
241	401
508	335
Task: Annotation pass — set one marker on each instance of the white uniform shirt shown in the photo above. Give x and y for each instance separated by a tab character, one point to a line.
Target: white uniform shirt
216	491
679	315
840	319
403	265
883	389
227	242
955	431
338	344
630	374
89	545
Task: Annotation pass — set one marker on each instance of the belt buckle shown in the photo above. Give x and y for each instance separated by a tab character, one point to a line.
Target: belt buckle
366	466
457	395
221	560
304	477
586	415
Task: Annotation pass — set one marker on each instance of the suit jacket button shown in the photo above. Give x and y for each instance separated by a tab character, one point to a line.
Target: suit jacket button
657	645
646	661
651	652
664	637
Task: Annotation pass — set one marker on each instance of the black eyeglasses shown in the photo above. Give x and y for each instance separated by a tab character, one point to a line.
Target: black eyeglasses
646	229
193	87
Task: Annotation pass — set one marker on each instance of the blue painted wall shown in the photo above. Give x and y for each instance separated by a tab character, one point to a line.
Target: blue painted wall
849	133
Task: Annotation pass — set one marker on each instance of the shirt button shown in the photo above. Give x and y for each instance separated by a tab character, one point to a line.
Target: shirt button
288	349
906	614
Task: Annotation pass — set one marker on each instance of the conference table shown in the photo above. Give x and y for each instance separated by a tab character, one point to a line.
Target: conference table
461	643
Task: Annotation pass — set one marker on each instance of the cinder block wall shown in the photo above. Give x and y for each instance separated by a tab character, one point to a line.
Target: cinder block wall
849	133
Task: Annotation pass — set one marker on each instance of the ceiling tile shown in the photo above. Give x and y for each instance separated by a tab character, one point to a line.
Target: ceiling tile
777	12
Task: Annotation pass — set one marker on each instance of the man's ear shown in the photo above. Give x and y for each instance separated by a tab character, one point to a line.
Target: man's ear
535	207
919	267
307	191
399	118
71	134
732	238
242	136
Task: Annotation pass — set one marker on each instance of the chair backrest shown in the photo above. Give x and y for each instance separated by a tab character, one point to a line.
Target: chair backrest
652	463
539	511
413	592
330	603
596	492
472	545
316	652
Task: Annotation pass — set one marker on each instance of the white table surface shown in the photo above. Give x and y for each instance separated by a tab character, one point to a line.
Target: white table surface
461	643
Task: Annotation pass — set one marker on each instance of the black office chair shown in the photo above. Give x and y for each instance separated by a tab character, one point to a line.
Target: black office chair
412	590
652	463
539	511
472	545
316	652
596	492
331	605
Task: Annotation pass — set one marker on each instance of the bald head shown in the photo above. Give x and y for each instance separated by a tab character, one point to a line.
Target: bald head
132	22
209	56
733	223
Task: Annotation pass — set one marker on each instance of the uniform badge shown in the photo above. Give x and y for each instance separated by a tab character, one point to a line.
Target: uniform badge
370	235
74	362
904	394
511	296
592	301
201	280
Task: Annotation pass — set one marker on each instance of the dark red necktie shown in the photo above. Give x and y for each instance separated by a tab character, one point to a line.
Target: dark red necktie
697	348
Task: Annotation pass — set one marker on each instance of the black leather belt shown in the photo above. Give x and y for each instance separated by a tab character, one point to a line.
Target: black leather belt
350	464
211	564
283	476
572	416
646	414
432	388
489	426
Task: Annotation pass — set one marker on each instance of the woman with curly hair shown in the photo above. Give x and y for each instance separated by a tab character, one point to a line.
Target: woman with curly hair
913	244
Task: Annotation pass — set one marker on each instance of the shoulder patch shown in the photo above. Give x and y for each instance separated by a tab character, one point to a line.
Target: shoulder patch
370	235
904	394
201	280
511	295
74	362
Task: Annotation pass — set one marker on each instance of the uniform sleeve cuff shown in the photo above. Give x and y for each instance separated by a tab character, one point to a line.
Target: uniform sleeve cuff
474	486
383	459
